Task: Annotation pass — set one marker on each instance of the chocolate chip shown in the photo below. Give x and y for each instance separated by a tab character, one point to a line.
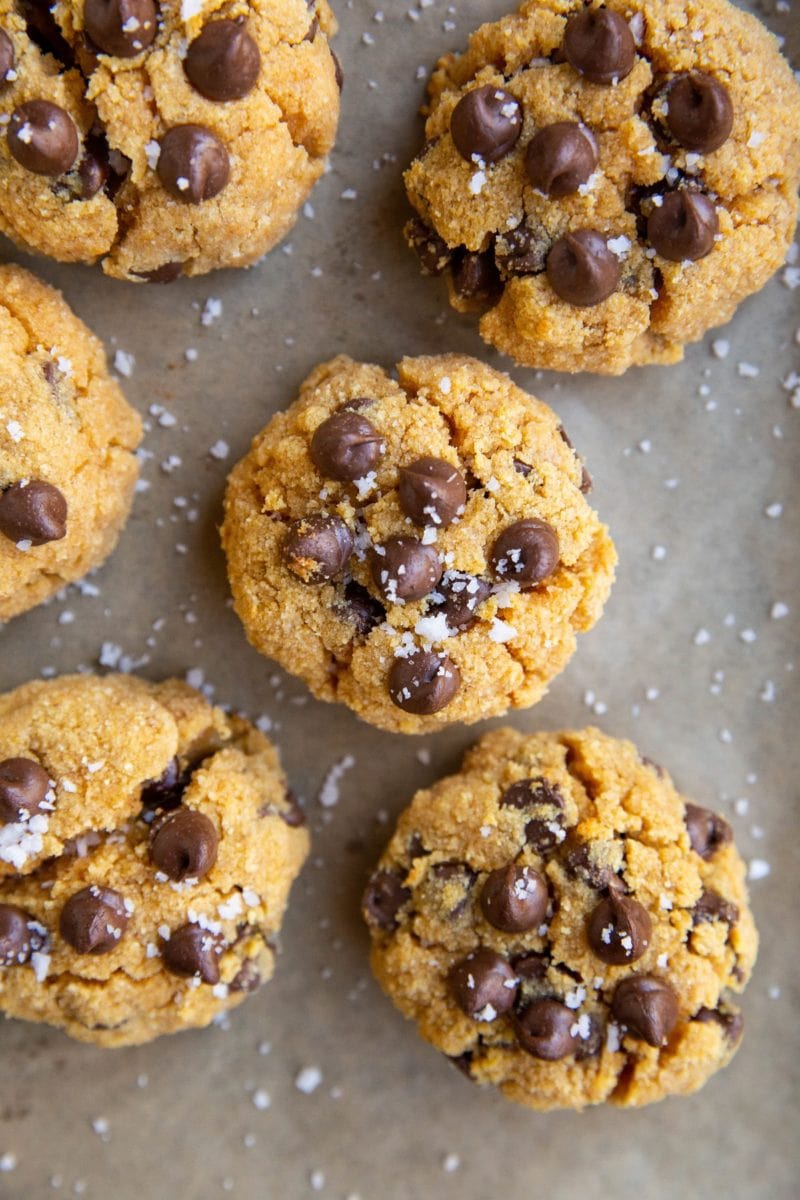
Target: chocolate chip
93	173
459	596
486	124
700	112
43	138
475	276
483	985
317	548
599	44
591	1045
514	899
713	907
580	863
166	273
346	446
293	814
191	950
34	512
432	251
619	928
732	1022
526	552
521	251
647	1007
360	608
405	569
167	791
544	1030
561	157
545	830
23	789
462	1062
684	226
223	62
707	830
581	268
460	877
7	57
94	920
424	683
247	979
383	898
531	967
122	28
184	844
193	165
431	491
15	939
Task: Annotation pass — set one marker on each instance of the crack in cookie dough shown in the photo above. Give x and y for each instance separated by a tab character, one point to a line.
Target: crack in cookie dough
192	152
420	549
605	183
563	924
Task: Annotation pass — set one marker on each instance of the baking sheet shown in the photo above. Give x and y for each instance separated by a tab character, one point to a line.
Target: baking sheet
687	661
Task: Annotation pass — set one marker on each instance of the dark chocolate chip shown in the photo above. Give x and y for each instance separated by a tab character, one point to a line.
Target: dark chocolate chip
184	844
545	830
318	548
599	44
223	62
619	928
122	28
531	967
7	57
346	446
43	138
166	792
707	830
462	1062
424	683
383	898
433	252
405	569
561	157
580	864
486	124
475	276
34	512
581	268
23	789
94	920
463	877
360	608
15	938
731	1021
483	985
521	251
431	491
647	1007
699	112
591	1045
93	173
191	950
713	907
526	552
459	596
684	226
166	273
514	899
193	165
247	979
544	1030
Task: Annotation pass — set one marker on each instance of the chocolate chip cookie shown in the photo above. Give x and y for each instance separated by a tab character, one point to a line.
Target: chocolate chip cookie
147	848
420	549
604	183
67	442
563	924
162	138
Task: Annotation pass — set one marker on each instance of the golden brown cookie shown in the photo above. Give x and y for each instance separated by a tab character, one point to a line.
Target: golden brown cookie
162	138
147	848
563	924
603	184
420	549
67	442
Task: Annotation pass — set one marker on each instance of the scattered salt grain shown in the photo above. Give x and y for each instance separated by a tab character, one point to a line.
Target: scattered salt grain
308	1080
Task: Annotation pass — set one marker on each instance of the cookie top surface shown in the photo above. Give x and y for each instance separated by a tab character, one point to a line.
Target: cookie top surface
563	924
420	549
163	138
605	184
67	442
147	848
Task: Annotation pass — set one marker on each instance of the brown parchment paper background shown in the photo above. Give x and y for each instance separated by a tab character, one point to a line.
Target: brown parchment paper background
389	1111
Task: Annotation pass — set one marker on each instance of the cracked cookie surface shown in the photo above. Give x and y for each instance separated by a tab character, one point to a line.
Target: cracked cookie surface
420	549
67	442
563	924
667	130
147	847
174	139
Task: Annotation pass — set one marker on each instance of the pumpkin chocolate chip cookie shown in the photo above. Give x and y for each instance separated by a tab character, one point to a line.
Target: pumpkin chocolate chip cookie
563	924
421	548
147	848
605	182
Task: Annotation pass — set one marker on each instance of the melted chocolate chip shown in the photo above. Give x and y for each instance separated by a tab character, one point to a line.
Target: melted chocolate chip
184	844
433	252
122	28
223	62
34	512
684	226
514	899
647	1007
581	268
526	552
732	1022
486	124
475	276
713	907
405	569
15	938
42	138
318	548
544	1030
383	898
424	683
193	165
561	157
599	44
707	830
461	597
431	492
191	950
7	57
521	251
361	608
23	789
94	920
346	446
619	929
700	112
483	985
